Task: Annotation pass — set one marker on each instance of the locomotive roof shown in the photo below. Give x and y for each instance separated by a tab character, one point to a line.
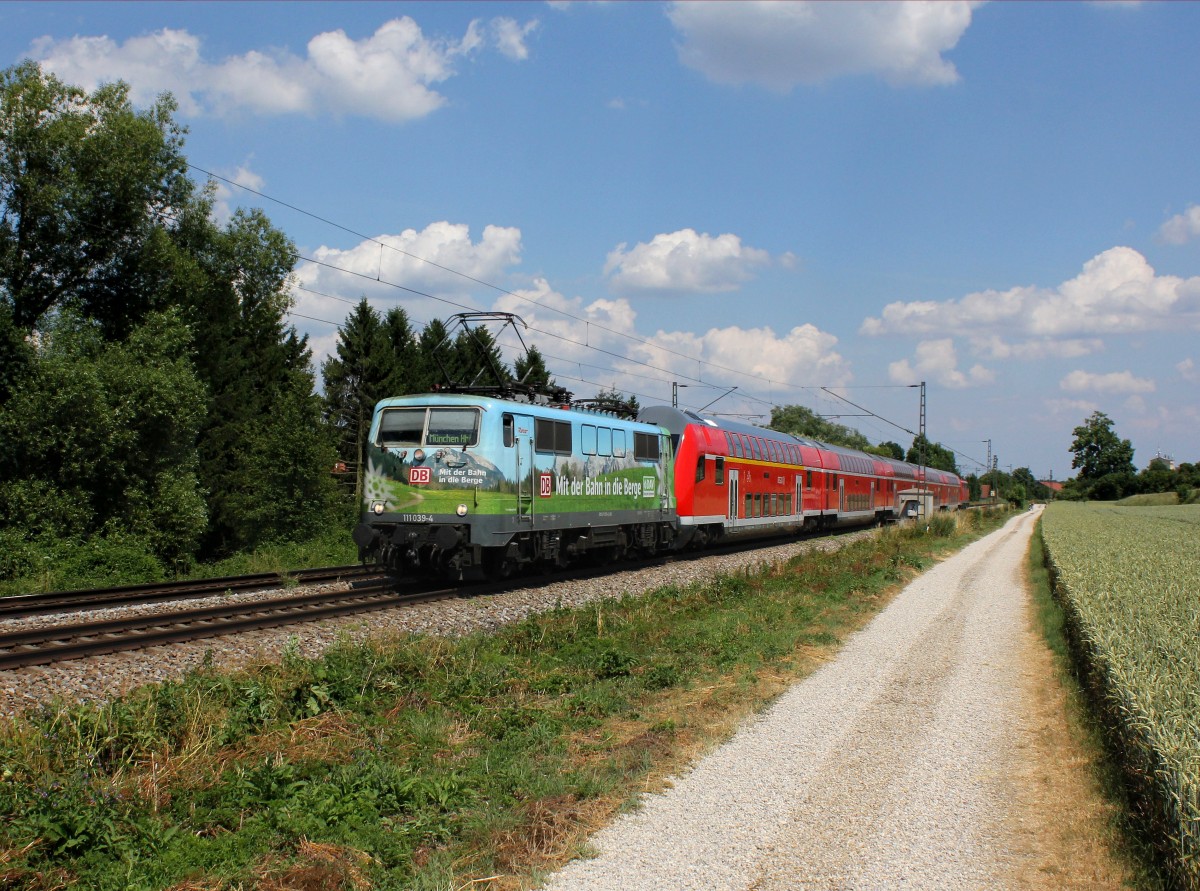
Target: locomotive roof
533	408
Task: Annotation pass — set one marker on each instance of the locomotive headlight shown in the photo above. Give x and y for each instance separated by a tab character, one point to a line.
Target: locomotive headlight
377	507
461	510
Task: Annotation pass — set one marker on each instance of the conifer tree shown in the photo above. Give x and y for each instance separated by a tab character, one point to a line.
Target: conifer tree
531	370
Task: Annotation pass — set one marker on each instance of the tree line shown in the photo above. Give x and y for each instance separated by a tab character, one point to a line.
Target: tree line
155	406
1105	469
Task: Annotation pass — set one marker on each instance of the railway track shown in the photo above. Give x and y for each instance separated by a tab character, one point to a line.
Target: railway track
76	640
63	640
23	605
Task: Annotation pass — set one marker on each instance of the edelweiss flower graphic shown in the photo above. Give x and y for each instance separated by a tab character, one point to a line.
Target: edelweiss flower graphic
375	487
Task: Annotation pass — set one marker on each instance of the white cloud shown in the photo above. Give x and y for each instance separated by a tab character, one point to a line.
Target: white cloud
225	195
803	353
1188	371
780	45
685	262
510	37
1117	292
995	347
1113	382
388	75
1181	227
937	360
412	259
1070	408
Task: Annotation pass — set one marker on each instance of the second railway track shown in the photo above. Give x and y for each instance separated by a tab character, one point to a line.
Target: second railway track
60	642
23	605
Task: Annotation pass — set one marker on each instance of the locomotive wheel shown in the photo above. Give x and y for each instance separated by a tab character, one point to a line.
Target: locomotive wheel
497	566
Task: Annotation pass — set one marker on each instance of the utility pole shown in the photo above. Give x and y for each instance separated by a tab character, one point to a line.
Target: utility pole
921	457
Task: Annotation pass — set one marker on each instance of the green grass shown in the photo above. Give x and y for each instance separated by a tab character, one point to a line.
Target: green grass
1156	499
422	762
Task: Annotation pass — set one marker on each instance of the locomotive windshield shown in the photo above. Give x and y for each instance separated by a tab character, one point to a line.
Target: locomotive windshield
454	427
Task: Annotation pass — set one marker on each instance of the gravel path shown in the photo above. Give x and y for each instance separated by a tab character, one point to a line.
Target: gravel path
887	768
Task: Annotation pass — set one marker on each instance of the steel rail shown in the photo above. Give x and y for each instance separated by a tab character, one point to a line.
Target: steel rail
44	646
22	605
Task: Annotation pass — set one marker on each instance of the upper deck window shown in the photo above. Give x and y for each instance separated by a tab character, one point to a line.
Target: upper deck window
454	427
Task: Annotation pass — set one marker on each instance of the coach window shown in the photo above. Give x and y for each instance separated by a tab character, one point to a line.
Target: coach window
758	504
553	437
719	472
604	444
587	439
808	482
646	447
401	426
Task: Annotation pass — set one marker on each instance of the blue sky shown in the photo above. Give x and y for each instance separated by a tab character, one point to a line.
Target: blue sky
999	199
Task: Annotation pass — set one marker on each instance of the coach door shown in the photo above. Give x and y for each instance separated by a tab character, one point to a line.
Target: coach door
734	498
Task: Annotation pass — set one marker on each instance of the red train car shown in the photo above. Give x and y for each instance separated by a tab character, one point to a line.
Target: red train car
734	479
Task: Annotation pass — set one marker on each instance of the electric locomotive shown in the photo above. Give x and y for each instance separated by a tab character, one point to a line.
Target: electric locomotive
466	485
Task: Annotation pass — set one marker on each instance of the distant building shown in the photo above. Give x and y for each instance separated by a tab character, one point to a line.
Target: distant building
1052	485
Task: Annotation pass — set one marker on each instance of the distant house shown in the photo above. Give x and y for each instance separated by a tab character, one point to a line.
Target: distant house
1053	485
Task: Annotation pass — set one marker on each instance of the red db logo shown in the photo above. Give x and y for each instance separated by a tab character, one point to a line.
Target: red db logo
546	485
418	476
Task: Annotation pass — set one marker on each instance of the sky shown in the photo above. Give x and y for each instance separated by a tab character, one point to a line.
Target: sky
820	204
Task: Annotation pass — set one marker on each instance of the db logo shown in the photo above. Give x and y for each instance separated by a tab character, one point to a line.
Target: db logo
546	485
418	476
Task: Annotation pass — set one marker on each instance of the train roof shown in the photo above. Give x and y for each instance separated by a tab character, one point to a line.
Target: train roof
676	419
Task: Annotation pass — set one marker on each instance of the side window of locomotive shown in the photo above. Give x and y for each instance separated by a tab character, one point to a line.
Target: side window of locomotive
587	439
509	437
553	437
604	441
719	472
618	443
455	427
646	447
401	426
700	469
